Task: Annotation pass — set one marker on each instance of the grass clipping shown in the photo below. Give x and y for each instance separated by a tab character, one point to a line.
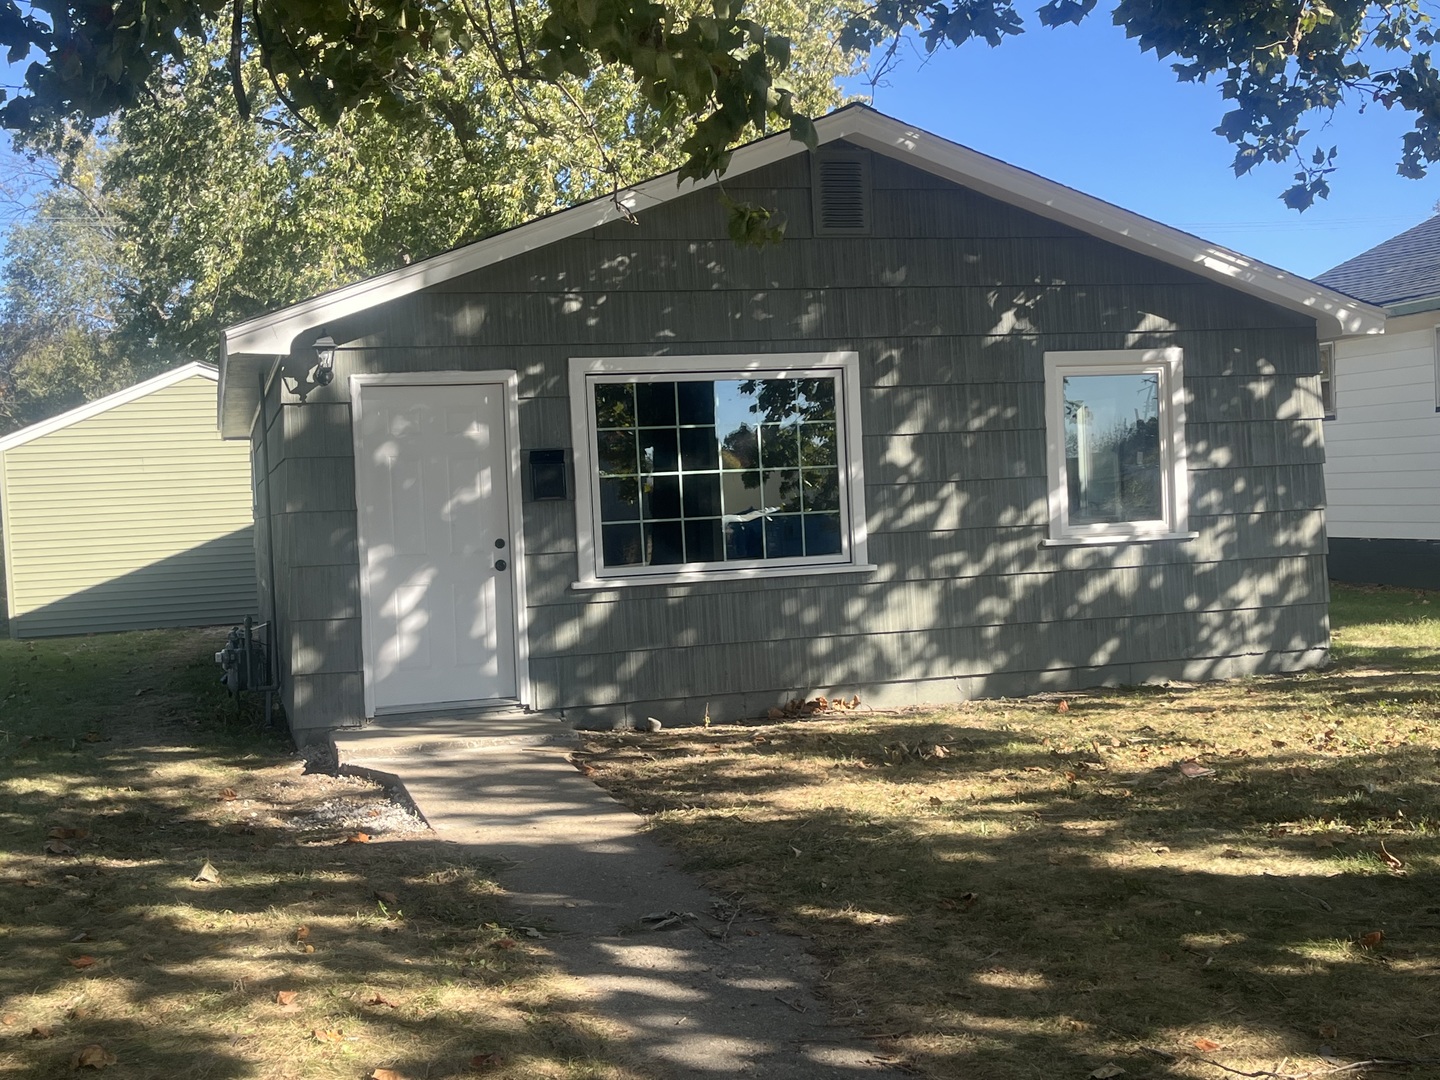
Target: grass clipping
1164	882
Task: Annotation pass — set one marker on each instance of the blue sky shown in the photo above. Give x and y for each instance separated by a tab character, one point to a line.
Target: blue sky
1084	106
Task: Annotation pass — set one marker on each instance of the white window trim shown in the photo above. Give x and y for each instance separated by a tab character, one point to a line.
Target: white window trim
1327	348
1435	360
853	557
1168	364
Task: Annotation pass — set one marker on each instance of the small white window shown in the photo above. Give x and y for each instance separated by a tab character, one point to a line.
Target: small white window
1115	434
1327	379
1437	368
702	466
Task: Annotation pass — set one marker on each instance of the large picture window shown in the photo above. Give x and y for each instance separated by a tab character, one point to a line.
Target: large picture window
1115	428
698	465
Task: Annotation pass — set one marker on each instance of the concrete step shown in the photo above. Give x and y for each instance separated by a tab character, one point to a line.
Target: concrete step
406	736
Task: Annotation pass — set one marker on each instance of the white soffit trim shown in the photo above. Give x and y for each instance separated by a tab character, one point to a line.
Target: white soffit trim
105	404
1335	313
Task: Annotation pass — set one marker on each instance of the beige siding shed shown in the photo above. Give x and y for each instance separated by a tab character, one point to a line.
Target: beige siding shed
128	513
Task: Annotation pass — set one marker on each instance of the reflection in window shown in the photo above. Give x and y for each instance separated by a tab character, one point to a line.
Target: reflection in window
717	470
1112	448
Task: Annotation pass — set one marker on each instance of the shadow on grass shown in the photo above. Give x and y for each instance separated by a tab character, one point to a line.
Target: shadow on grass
1035	901
405	962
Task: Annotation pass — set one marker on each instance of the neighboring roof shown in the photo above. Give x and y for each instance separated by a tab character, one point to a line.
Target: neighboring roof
251	346
1402	270
105	404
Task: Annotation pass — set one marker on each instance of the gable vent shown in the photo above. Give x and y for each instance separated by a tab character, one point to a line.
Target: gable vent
841	194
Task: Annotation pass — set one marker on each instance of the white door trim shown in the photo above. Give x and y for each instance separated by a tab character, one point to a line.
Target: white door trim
509	381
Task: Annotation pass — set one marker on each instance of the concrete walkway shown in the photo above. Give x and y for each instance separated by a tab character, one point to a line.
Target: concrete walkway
706	996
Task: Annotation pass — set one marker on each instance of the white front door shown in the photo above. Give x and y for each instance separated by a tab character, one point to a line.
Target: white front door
432	474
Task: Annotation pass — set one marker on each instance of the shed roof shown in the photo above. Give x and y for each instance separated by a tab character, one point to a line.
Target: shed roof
252	346
105	404
1402	270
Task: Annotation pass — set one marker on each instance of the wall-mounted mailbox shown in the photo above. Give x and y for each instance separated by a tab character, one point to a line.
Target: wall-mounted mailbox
547	475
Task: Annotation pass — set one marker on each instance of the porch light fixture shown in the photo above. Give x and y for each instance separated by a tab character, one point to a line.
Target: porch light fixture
325	359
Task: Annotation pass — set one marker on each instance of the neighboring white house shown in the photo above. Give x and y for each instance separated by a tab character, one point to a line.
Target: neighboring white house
128	513
1382	407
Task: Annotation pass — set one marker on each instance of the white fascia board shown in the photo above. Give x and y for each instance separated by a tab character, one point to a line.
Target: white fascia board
105	404
1335	313
275	334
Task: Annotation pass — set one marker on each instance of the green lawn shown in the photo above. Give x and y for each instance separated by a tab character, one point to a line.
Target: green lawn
1173	880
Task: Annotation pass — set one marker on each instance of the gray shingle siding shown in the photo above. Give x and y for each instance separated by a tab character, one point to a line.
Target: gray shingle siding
951	306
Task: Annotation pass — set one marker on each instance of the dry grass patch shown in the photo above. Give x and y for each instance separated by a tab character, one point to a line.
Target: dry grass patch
1163	879
326	936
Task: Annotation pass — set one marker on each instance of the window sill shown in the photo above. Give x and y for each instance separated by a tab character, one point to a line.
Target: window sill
1113	541
696	577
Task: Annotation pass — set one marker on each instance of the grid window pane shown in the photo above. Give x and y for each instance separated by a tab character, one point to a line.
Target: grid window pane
704	471
664	544
655	404
822	534
704	540
615	453
662	497
620	544
619	498
784	537
659	450
614	405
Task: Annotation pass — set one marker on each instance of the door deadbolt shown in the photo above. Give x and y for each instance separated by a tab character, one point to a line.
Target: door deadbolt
499	564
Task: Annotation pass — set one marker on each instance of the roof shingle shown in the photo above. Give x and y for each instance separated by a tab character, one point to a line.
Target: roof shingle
1405	267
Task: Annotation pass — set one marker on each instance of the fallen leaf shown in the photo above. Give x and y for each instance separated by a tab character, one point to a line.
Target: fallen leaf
934	801
61	832
81	936
484	1062
387	897
145	956
1206	1046
1327	1031
301	933
1064	706
358	838
92	737
381	999
387	1074
1372	939
32	883
1104	1072
93	1056
208	874
286	999
1194	770
227	794
42	1031
775	714
503	943
1390	860
9	1019
143	690
58	847
327	1035
80	963
307	948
